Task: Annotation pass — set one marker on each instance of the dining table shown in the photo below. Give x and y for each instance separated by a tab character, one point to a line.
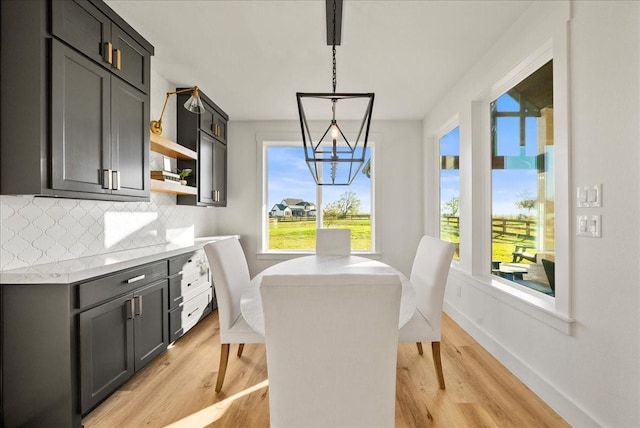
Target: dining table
251	302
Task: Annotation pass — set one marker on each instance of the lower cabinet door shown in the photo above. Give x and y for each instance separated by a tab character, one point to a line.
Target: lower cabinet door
106	350
151	327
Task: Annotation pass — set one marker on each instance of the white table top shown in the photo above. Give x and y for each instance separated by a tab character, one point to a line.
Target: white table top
251	303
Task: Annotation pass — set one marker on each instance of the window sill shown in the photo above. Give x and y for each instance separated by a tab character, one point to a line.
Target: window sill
286	255
537	305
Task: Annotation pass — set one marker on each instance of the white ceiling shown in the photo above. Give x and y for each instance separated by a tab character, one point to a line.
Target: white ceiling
251	57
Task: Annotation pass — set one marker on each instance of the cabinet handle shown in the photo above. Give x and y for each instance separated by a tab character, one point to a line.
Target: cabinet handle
180	273
118	59
139	305
192	312
108	52
106	179
132	309
136	279
116	180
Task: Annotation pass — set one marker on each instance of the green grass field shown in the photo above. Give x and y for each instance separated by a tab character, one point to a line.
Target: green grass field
301	235
503	244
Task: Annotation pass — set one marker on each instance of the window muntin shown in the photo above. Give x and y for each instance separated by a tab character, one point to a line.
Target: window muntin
449	146
522	217
296	206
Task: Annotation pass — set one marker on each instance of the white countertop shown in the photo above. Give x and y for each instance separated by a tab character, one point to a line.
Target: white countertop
80	269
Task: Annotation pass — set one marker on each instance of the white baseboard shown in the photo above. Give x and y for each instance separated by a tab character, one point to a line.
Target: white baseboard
566	408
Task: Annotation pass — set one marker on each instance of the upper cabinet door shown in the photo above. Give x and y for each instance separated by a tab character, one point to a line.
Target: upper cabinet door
205	170
84	27
80	122
131	61
220	128
129	139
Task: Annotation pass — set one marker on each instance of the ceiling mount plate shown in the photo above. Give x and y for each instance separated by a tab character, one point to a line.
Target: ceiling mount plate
329	4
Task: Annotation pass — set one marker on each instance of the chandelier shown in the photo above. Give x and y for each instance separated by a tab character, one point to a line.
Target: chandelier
334	159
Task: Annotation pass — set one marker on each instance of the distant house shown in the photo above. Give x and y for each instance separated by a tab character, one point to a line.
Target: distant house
280	210
292	207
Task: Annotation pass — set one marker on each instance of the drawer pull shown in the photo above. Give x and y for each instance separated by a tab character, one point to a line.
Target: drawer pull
193	312
136	279
118	59
108	52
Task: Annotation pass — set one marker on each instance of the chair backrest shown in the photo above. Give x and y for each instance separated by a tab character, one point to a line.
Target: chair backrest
429	277
230	276
550	271
333	242
331	349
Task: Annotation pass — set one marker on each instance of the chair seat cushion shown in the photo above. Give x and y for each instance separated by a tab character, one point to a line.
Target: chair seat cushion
240	332
418	329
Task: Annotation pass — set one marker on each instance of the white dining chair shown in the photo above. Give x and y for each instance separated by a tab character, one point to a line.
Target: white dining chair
230	276
429	278
333	242
331	349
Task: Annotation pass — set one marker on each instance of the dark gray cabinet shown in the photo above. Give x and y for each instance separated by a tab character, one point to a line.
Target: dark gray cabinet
68	346
206	134
120	337
85	72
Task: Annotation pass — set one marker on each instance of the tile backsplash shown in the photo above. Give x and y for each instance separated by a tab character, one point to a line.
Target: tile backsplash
35	230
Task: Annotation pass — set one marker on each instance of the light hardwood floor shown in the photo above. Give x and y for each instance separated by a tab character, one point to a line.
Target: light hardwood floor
177	388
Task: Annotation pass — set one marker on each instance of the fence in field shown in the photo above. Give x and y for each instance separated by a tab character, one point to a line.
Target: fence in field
313	218
499	226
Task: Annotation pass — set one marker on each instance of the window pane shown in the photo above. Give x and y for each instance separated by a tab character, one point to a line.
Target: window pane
450	188
293	209
350	207
523	228
291	194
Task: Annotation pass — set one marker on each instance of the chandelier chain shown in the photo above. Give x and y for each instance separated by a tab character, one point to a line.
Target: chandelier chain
335	79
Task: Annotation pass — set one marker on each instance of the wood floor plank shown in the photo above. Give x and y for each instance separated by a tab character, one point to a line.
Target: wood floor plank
177	389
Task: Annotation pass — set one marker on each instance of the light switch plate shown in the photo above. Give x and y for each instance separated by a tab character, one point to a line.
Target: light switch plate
589	226
589	196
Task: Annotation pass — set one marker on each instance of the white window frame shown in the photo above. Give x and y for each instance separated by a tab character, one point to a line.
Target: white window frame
555	311
266	140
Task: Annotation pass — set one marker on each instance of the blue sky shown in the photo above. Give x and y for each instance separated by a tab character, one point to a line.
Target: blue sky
289	177
508	184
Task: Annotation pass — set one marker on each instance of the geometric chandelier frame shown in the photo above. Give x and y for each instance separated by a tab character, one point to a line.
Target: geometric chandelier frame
333	159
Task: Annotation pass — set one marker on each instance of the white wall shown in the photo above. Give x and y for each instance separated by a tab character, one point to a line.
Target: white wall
591	376
398	202
44	230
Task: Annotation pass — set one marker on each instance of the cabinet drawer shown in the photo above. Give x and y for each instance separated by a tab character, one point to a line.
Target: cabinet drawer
183	287
183	318
131	61
186	263
122	282
82	26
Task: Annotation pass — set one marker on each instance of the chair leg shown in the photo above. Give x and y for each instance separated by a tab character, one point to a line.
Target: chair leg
419	345
435	350
222	370
240	348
